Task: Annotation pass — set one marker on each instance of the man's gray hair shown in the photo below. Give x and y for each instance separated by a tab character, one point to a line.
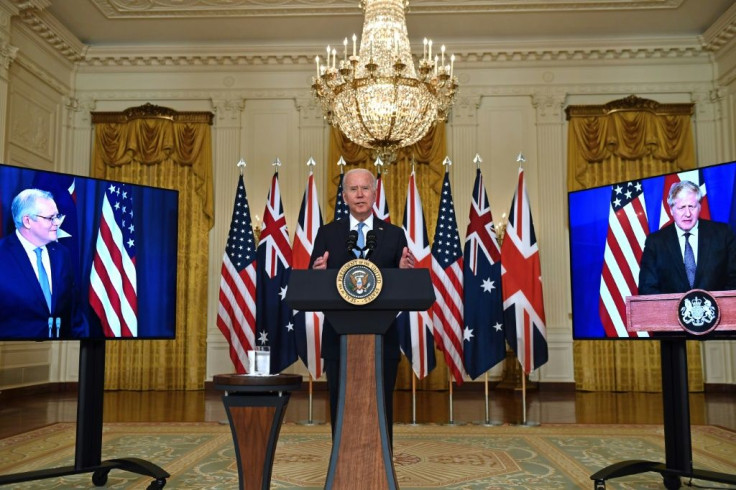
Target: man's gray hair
25	204
356	170
683	186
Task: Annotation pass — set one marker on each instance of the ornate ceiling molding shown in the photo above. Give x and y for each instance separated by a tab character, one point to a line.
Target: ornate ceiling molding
34	16
722	31
116	9
238	56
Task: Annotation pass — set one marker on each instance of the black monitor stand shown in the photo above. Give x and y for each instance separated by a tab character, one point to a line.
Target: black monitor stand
88	450
677	441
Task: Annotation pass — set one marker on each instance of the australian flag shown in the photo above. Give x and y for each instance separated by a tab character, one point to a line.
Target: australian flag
485	343
274	322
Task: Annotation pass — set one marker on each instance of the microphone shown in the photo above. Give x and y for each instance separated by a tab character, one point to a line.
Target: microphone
352	241
370	242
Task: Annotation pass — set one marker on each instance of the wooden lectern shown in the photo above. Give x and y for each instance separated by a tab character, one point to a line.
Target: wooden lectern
657	314
361	451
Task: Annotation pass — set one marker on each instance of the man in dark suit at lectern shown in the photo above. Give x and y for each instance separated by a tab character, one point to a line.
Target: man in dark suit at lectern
331	251
690	253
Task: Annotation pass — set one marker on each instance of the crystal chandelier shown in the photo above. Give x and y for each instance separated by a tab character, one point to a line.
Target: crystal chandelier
375	96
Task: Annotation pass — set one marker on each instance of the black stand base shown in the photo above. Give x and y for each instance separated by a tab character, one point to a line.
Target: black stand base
88	449
677	442
671	477
99	472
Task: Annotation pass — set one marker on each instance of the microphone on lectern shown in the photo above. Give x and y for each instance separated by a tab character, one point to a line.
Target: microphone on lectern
370	243
352	241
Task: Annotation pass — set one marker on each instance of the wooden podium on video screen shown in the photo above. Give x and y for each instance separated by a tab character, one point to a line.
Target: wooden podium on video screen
659	315
361	451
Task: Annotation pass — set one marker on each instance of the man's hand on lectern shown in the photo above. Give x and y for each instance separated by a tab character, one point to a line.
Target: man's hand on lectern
321	262
407	259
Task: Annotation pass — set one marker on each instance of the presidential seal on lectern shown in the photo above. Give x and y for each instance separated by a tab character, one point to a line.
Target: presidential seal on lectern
359	282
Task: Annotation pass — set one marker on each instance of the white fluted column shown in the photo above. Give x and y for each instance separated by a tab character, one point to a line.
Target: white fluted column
313	142
226	139
709	144
462	146
8	53
550	223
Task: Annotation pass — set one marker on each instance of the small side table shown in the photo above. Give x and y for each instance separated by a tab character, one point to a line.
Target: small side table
255	407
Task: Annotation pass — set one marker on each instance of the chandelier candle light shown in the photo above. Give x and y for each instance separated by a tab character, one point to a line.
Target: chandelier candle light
375	96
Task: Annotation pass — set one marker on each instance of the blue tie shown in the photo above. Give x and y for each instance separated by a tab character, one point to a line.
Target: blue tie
361	240
689	261
43	278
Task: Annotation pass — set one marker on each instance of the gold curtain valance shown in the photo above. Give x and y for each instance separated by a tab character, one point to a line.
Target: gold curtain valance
653	137
154	135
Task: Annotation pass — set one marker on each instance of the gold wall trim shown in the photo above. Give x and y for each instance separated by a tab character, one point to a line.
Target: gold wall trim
630	103
150	111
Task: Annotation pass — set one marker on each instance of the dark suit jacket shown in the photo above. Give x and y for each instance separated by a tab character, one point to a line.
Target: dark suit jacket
23	310
390	243
662	269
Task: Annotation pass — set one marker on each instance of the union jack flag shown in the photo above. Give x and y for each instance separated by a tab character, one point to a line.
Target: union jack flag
308	324
113	290
485	343
447	278
415	327
236	310
627	232
694	176
380	207
523	301
274	320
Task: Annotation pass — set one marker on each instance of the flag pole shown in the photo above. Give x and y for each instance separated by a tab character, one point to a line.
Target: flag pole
487	399
413	398
524	421
450	400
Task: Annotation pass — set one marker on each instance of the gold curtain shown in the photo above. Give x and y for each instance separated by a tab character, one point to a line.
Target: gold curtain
156	146
627	139
427	155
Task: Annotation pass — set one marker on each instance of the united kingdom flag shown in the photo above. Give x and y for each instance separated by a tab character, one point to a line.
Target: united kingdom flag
523	302
308	324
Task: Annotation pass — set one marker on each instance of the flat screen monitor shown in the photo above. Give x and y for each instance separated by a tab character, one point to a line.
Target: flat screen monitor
111	259
606	246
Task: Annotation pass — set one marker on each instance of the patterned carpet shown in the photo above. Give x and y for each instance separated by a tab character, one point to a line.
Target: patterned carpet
201	455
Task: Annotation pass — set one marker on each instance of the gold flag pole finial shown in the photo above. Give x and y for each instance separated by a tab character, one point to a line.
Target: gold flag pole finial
341	163
241	165
477	161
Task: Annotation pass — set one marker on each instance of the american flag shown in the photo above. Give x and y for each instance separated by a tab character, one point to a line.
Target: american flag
308	324
694	176
447	278
380	207
627	231
236	310
485	343
341	208
523	302
274	320
415	327
113	286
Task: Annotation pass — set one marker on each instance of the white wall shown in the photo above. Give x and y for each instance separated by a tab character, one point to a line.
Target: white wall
506	105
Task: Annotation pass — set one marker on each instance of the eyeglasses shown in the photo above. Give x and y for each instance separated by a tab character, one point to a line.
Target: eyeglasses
57	218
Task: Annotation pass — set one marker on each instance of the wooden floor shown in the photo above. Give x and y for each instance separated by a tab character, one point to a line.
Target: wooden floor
21	412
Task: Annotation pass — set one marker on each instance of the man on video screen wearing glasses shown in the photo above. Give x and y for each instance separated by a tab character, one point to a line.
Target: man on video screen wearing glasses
38	297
